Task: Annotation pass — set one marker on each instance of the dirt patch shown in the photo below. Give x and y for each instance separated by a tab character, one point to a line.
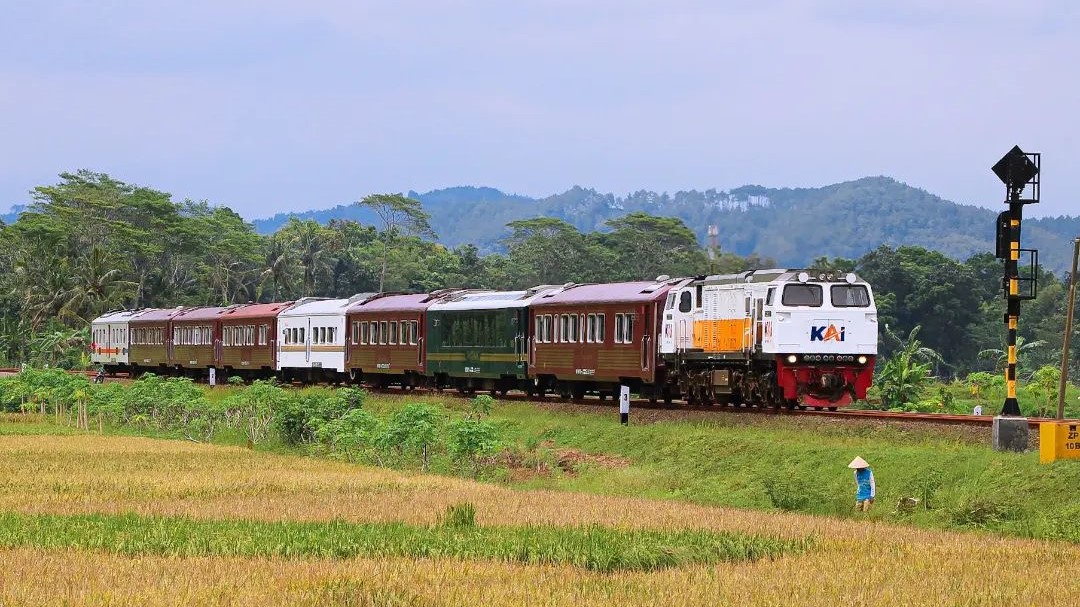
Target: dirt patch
571	460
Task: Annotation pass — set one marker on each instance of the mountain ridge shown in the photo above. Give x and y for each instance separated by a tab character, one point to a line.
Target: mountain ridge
791	225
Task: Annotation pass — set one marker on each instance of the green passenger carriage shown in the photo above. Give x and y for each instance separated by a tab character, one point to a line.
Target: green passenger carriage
479	340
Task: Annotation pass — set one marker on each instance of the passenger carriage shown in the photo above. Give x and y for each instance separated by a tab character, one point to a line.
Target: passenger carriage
196	340
387	339
311	339
593	338
249	339
478	340
110	340
151	341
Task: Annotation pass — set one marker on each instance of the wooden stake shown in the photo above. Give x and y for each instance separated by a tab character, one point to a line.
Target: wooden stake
1068	332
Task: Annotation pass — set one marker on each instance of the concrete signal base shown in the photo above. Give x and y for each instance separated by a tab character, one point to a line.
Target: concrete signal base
1010	434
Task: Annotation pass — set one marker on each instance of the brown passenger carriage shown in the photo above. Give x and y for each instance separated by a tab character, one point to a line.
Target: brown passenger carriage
151	341
196	340
596	337
386	337
249	338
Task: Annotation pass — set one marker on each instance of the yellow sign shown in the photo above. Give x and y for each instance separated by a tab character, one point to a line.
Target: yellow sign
1059	440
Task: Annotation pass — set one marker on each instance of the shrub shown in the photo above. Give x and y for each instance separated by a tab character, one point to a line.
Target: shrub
355	433
414	427
472	439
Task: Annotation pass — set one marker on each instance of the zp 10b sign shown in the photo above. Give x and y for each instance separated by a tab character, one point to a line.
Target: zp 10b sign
1059	440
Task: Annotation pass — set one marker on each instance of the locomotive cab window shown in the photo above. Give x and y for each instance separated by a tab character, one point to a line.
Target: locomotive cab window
802	295
686	301
850	296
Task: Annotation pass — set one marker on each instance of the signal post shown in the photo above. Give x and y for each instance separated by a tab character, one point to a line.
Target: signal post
1017	170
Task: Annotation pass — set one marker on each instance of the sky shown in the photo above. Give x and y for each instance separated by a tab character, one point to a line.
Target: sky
269	106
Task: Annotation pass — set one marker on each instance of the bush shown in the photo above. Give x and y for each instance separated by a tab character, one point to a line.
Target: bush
302	414
354	434
472	439
414	427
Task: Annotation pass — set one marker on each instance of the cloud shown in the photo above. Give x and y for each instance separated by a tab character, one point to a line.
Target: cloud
276	105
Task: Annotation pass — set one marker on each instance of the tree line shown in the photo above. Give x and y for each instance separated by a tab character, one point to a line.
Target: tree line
91	243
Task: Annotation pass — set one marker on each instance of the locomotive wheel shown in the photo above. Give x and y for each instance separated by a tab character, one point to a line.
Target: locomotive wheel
832	408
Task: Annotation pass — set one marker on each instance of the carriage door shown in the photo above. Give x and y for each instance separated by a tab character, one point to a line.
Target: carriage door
521	341
307	342
647	348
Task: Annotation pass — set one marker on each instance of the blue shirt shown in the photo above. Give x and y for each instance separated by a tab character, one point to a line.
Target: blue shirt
864	481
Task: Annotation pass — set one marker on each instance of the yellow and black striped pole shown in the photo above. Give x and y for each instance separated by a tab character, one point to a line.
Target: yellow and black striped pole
1012	316
1017	170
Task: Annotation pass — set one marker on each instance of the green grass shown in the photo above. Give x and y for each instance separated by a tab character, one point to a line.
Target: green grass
795	463
594	548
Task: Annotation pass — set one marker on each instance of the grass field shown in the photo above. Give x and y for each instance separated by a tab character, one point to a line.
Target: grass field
226	488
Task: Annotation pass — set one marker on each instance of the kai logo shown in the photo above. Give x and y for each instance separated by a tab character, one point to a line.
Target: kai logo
829	333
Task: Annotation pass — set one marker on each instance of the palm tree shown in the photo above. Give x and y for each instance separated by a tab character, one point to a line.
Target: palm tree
1000	357
96	288
280	267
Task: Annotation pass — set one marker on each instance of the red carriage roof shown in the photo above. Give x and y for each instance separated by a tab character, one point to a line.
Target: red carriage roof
190	314
267	310
619	292
390	303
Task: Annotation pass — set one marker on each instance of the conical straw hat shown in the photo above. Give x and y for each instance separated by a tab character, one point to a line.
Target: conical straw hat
858	462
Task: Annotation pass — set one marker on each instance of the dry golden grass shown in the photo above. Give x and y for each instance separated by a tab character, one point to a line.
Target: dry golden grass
854	564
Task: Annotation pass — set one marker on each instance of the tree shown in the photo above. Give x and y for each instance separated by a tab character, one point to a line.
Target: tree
647	246
545	250
399	215
904	375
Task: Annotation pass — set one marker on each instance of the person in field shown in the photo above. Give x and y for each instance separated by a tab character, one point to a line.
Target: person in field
865	489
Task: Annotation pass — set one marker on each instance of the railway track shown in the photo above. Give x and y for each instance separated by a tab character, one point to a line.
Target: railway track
932	418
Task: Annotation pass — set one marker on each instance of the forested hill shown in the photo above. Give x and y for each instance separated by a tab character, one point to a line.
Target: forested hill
790	225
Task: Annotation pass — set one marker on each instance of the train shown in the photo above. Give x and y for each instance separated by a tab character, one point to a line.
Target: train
775	338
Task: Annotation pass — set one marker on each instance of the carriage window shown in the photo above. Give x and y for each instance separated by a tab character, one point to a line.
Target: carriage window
624	328
850	296
393	332
383	331
802	295
590	330
355	333
601	328
686	301
414	331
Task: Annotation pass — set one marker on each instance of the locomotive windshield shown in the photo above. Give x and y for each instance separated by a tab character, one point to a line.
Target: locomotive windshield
802	295
850	296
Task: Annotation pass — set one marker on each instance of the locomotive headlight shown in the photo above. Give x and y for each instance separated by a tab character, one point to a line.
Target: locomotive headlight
792	359
862	360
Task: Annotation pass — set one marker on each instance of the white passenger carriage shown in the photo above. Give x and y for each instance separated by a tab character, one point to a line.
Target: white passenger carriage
311	339
779	336
110	340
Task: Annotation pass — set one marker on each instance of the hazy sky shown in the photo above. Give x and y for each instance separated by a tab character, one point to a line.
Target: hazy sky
267	105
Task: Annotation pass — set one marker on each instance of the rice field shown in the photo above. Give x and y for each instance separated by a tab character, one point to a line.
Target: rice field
849	562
